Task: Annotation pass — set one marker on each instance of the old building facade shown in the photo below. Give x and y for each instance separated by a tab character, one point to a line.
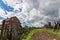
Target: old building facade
11	29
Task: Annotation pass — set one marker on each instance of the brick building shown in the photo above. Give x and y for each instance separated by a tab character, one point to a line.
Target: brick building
11	29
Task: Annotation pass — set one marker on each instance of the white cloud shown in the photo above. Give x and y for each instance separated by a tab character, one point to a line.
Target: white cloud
34	12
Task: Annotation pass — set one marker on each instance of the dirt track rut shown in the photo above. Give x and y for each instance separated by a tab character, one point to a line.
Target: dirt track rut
45	36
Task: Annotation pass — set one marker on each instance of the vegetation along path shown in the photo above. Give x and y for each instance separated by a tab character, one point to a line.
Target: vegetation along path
42	34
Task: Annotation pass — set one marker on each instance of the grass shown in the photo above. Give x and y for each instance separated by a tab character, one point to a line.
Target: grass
29	35
31	32
56	32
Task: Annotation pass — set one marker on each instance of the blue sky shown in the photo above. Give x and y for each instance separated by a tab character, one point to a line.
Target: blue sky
1	18
31	12
5	7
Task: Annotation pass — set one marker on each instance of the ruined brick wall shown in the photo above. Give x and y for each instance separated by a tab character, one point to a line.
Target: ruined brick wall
11	29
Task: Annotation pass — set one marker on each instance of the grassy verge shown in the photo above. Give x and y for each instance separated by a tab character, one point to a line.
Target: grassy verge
29	35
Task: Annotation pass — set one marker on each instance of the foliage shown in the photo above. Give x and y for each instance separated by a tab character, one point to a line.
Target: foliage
31	32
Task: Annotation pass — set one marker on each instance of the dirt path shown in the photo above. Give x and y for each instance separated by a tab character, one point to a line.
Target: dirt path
44	36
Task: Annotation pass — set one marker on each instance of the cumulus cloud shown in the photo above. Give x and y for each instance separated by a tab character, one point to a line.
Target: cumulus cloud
33	12
48	9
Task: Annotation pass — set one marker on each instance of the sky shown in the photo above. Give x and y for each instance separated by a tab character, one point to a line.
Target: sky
31	12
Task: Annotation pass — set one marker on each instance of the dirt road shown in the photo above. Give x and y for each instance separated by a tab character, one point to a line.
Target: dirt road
44	36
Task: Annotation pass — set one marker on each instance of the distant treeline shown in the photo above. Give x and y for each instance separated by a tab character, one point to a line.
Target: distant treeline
56	25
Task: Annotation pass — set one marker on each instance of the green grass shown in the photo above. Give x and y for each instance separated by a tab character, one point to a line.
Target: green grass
56	32
31	32
29	35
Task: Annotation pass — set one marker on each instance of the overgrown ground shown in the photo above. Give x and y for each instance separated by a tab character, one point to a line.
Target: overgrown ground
30	33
